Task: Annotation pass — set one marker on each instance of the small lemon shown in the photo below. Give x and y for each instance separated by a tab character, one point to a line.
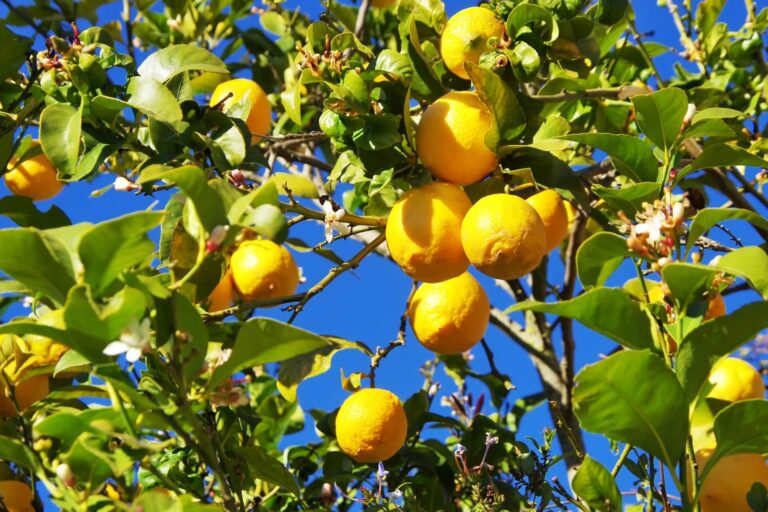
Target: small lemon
27	392
261	269
727	484
450	317
735	379
450	138
223	295
551	208
17	496
260	117
34	178
716	308
423	232
371	425
503	236
465	37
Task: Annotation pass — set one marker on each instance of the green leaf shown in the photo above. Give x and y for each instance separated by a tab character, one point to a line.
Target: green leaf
291	99
629	198
16	452
708	217
530	14
60	127
71	360
112	247
632	156
296	370
265	194
709	342
595	485
153	99
751	263
632	396
194	182
707	13
599	257
178	58
265	467
12	52
424	83
299	185
739	428
721	155
610	12
23	211
263	340
608	311
716	113
194	344
509	119
268	221
37	260
687	281
660	115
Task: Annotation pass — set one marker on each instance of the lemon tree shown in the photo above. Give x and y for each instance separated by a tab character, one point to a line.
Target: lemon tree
575	199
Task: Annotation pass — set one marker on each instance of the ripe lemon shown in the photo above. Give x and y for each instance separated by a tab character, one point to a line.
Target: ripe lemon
450	317
34	178
260	117
17	496
715	308
465	37
551	208
735	379
261	269
223	295
423	232
450	138
503	236
371	425
27	392
727	485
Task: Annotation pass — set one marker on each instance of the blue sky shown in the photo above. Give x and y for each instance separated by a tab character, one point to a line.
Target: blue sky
366	305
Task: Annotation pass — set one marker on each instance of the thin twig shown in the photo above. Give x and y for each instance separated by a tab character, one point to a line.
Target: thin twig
27	19
361	14
348	218
622	459
517	334
250	306
128	28
587	94
381	353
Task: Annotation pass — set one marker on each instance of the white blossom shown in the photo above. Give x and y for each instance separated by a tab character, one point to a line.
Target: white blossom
332	218
652	227
124	184
134	340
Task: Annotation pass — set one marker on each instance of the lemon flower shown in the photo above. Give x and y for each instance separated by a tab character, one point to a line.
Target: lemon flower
134	340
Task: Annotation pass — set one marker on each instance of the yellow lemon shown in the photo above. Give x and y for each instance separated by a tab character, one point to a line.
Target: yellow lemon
727	485
261	269
715	308
735	379
260	116
371	425
465	37
27	392
450	317
450	138
17	496
423	232
551	208
503	236
223	295
34	178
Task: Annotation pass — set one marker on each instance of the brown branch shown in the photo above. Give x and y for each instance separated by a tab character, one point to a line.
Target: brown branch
250	306
516	333
587	94
349	218
365	5
381	353
296	156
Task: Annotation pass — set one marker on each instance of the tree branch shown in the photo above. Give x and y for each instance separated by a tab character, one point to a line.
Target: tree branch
365	5
588	94
381	353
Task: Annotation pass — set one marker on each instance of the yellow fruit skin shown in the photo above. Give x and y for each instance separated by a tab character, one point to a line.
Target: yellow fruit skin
551	208
715	308
260	117
27	392
223	295
17	496
450	139
503	236
465	37
735	379
727	485
34	178
261	269
450	317
371	425
423	232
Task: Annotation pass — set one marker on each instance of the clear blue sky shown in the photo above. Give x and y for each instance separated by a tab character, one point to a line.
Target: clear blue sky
366	305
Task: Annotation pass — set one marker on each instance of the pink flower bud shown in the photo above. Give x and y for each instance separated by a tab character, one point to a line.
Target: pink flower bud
217	237
124	184
64	472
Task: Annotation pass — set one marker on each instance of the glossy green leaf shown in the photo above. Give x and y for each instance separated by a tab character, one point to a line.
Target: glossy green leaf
263	340
751	263
530	14
608	311
632	396
595	485
687	281
660	115
707	13
13	52
23	211
299	185
424	83
705	345
633	157
509	119
178	58
153	99
599	257
193	344
37	260
268	221
708	217
609	12
265	467
629	198
60	128
721	155
716	113
18	453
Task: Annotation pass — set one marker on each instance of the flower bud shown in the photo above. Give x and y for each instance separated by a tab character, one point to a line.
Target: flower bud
124	184
64	472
